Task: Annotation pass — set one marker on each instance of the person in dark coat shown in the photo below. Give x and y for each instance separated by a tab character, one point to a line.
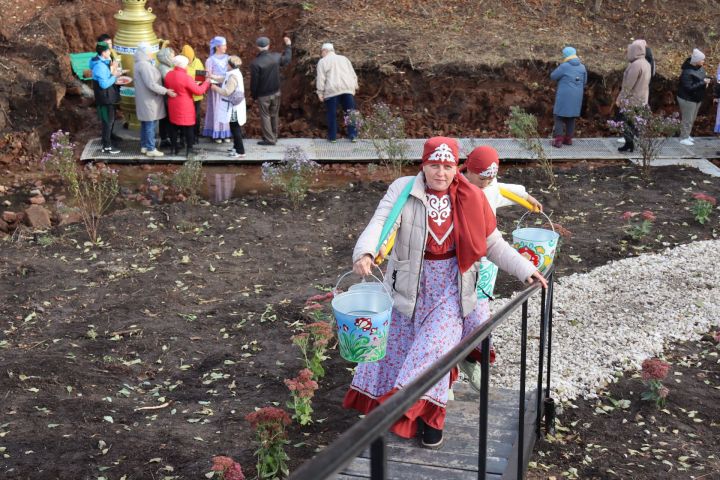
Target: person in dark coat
571	77
181	109
693	81
265	86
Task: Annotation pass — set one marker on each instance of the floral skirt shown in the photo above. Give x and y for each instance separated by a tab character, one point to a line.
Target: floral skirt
415	343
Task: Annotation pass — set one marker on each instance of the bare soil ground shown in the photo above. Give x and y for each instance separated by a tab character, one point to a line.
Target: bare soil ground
619	436
190	309
452	67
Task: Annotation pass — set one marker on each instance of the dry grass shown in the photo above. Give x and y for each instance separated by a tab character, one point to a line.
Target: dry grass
432	35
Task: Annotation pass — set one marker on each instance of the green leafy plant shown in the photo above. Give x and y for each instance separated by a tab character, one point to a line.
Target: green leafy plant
703	207
269	424
650	131
189	179
386	130
93	188
293	174
524	127
302	389
638	225
654	372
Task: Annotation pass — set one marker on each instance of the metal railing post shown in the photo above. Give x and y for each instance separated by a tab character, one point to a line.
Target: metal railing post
541	366
521	409
484	394
549	402
378	459
370	430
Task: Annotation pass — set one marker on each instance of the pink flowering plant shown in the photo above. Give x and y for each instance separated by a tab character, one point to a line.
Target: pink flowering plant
313	344
386	129
654	371
638	224
269	424
650	130
302	389
92	188
225	468
703	207
293	174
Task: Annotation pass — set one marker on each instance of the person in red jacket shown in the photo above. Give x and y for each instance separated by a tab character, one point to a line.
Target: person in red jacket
181	109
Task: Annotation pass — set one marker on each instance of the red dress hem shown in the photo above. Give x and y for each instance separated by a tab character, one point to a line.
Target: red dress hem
406	427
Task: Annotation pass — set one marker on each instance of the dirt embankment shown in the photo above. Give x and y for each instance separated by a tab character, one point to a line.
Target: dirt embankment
451	67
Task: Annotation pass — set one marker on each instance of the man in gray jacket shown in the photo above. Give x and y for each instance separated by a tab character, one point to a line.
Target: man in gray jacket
336	83
149	101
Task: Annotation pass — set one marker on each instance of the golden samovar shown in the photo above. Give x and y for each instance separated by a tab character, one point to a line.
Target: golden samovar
134	25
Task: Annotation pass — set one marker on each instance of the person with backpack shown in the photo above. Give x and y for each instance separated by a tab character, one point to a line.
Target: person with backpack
104	77
233	109
181	110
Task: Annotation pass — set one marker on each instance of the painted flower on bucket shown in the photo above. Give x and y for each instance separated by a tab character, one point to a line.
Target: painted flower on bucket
363	323
530	255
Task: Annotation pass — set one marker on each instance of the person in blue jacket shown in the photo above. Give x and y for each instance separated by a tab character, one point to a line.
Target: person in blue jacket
571	77
104	76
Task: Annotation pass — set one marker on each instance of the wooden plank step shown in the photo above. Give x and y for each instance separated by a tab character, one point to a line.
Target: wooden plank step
360	468
461	442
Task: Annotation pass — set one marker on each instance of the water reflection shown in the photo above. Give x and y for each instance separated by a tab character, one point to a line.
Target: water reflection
225	182
220	186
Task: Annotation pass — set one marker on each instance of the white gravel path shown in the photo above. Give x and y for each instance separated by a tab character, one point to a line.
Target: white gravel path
612	318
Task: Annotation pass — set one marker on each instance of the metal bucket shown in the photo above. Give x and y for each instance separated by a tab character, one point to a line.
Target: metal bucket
367	287
536	244
363	317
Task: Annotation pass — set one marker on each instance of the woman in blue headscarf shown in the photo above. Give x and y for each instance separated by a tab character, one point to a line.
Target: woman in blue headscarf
216	65
571	78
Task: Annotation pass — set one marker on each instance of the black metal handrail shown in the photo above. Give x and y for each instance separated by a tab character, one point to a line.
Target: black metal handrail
371	429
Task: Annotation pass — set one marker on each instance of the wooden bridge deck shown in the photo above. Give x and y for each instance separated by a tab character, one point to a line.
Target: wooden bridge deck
321	150
457	458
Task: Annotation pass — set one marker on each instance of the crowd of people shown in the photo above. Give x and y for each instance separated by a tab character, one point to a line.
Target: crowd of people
173	105
170	90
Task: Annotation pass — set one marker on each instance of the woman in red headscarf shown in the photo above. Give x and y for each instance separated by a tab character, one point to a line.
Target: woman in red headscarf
445	228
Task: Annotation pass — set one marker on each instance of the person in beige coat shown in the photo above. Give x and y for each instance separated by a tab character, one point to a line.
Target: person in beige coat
336	83
445	227
635	89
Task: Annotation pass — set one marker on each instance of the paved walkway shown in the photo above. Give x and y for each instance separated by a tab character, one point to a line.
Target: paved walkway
363	151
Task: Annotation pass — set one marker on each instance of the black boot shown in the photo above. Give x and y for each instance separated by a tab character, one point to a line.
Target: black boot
431	437
628	147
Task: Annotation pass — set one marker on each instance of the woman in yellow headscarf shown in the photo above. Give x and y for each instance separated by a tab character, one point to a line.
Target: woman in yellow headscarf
194	65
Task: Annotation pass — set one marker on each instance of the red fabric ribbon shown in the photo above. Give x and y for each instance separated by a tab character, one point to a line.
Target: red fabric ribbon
474	221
